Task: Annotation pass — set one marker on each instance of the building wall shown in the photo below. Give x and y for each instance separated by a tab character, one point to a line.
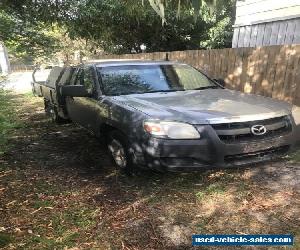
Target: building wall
270	33
258	11
266	22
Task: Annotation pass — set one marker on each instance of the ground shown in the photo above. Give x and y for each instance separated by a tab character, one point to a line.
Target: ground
19	82
59	190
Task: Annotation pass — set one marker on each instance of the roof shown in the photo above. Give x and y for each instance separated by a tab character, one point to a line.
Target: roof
119	62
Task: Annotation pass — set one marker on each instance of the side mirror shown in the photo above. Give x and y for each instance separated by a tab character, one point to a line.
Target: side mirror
220	81
74	91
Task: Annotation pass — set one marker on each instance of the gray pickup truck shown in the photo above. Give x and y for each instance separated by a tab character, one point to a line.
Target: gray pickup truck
169	116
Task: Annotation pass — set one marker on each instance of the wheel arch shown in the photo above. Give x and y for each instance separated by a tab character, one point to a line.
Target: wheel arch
106	129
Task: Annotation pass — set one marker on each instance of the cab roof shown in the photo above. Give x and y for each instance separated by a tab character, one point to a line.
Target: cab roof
120	62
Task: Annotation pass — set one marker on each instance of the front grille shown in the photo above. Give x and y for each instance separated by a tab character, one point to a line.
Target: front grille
256	156
241	131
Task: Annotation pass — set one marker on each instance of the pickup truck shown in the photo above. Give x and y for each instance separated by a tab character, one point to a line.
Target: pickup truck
168	115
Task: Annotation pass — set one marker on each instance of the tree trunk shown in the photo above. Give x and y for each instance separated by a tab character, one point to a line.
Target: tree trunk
4	62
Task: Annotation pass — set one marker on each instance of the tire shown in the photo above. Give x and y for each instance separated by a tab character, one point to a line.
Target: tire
33	90
55	116
53	113
118	148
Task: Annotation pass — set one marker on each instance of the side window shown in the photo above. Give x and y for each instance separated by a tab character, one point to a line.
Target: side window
79	78
88	80
73	78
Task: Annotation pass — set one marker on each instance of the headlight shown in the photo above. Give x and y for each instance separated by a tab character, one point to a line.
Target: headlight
296	114
171	130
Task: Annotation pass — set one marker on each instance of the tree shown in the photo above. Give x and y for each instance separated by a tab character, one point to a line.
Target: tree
220	20
159	6
121	27
24	39
26	27
41	28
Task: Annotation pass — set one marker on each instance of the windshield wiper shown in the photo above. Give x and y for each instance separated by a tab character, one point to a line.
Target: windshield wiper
153	91
164	90
207	87
167	90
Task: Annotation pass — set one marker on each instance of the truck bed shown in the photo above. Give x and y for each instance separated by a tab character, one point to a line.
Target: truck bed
47	88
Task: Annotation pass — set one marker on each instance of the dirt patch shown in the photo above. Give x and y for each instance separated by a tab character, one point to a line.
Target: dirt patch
59	190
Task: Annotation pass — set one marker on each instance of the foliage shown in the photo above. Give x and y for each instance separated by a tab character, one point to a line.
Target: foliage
25	39
32	11
119	27
220	22
40	29
159	6
68	47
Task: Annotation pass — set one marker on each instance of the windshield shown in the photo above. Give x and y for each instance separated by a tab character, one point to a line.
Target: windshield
139	79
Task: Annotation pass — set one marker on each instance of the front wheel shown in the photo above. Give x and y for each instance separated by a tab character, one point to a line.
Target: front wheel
118	147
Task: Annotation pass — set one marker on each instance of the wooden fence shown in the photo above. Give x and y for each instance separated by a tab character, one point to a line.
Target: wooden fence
21	67
272	71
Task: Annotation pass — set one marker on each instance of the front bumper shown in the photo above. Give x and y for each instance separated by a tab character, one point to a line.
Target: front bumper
211	152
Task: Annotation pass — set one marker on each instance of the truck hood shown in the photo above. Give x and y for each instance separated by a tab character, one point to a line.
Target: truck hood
209	106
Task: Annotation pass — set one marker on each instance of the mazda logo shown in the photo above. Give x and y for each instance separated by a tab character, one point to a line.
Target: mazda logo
258	129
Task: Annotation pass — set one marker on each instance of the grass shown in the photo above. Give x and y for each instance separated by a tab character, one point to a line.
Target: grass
29	94
67	241
5	239
82	218
43	187
66	229
43	203
8	119
212	189
2	78
295	157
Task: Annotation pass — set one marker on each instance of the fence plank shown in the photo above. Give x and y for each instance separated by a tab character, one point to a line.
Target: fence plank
296	99
244	87
290	86
224	62
238	68
281	60
262	73
267	57
230	77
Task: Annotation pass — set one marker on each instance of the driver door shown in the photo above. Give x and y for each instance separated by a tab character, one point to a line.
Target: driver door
82	109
